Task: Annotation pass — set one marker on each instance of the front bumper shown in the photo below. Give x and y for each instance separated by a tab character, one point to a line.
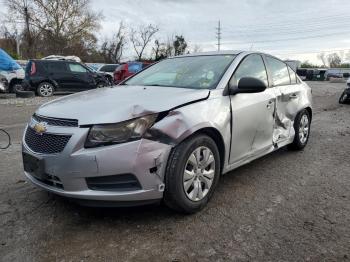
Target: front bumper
145	159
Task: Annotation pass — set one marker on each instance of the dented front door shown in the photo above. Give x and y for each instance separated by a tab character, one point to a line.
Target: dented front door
252	124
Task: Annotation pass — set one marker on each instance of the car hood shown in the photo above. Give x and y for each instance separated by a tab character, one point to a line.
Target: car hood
112	105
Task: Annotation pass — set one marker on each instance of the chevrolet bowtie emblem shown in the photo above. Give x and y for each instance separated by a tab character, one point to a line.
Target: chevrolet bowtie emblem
40	128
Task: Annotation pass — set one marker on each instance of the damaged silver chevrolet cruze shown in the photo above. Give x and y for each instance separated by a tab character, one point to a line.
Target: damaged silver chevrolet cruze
168	132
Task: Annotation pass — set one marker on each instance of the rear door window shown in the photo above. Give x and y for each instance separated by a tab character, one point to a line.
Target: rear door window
279	71
56	67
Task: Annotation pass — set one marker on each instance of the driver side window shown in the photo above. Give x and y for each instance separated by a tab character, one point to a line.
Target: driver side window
251	66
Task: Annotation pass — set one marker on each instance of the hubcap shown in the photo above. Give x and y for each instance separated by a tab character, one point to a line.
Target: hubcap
199	173
304	129
46	90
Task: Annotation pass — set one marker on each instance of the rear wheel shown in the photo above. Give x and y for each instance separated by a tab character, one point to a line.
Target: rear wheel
302	125
192	174
45	89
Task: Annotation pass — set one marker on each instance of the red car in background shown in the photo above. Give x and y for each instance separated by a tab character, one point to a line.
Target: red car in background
125	70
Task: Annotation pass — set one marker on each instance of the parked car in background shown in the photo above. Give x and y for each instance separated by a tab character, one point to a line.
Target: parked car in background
12	71
3	84
169	132
94	66
106	75
345	96
336	73
49	76
128	69
108	70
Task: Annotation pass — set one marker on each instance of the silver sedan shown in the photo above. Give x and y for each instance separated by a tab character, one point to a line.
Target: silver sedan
169	132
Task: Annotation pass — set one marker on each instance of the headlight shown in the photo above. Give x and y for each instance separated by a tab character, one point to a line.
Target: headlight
108	134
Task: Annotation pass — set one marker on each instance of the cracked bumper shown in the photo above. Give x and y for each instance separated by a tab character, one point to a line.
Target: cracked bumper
145	159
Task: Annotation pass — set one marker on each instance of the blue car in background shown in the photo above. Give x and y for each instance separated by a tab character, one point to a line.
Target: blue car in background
12	71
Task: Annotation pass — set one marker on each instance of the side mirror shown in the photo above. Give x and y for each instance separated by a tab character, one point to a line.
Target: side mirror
248	85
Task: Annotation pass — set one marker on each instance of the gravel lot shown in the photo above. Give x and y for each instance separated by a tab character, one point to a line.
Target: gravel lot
287	206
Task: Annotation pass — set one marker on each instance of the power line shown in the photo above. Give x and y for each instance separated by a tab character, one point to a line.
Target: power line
291	38
218	35
312	52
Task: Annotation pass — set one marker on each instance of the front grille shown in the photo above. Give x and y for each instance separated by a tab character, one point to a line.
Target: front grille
45	143
122	182
56	121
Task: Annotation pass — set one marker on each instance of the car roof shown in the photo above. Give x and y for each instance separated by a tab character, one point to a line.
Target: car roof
224	52
53	60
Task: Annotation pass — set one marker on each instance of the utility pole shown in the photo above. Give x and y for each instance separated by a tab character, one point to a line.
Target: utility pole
28	34
218	35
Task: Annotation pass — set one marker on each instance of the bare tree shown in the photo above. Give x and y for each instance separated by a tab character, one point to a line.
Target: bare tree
334	60
112	50
56	26
322	57
141	37
196	49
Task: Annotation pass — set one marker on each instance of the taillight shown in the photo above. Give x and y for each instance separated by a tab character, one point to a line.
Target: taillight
33	69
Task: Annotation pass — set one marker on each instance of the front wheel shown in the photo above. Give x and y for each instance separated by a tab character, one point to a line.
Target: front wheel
302	125
344	96
192	174
100	85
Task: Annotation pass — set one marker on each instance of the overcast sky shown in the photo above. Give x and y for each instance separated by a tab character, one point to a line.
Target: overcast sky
295	29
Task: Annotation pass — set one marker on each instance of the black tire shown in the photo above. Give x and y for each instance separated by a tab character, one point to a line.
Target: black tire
297	143
16	87
25	94
45	89
343	98
110	80
101	85
174	195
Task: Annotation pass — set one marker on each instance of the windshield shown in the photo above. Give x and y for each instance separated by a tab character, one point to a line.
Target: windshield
197	72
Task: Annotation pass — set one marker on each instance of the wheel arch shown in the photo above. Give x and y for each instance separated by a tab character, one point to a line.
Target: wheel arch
14	81
309	110
214	134
53	82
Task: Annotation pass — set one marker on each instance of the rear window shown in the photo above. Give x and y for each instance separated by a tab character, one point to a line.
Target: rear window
134	67
120	67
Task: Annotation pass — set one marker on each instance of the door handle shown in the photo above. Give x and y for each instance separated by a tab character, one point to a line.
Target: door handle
293	96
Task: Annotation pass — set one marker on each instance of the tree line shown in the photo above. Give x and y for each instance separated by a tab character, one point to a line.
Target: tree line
332	60
68	27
